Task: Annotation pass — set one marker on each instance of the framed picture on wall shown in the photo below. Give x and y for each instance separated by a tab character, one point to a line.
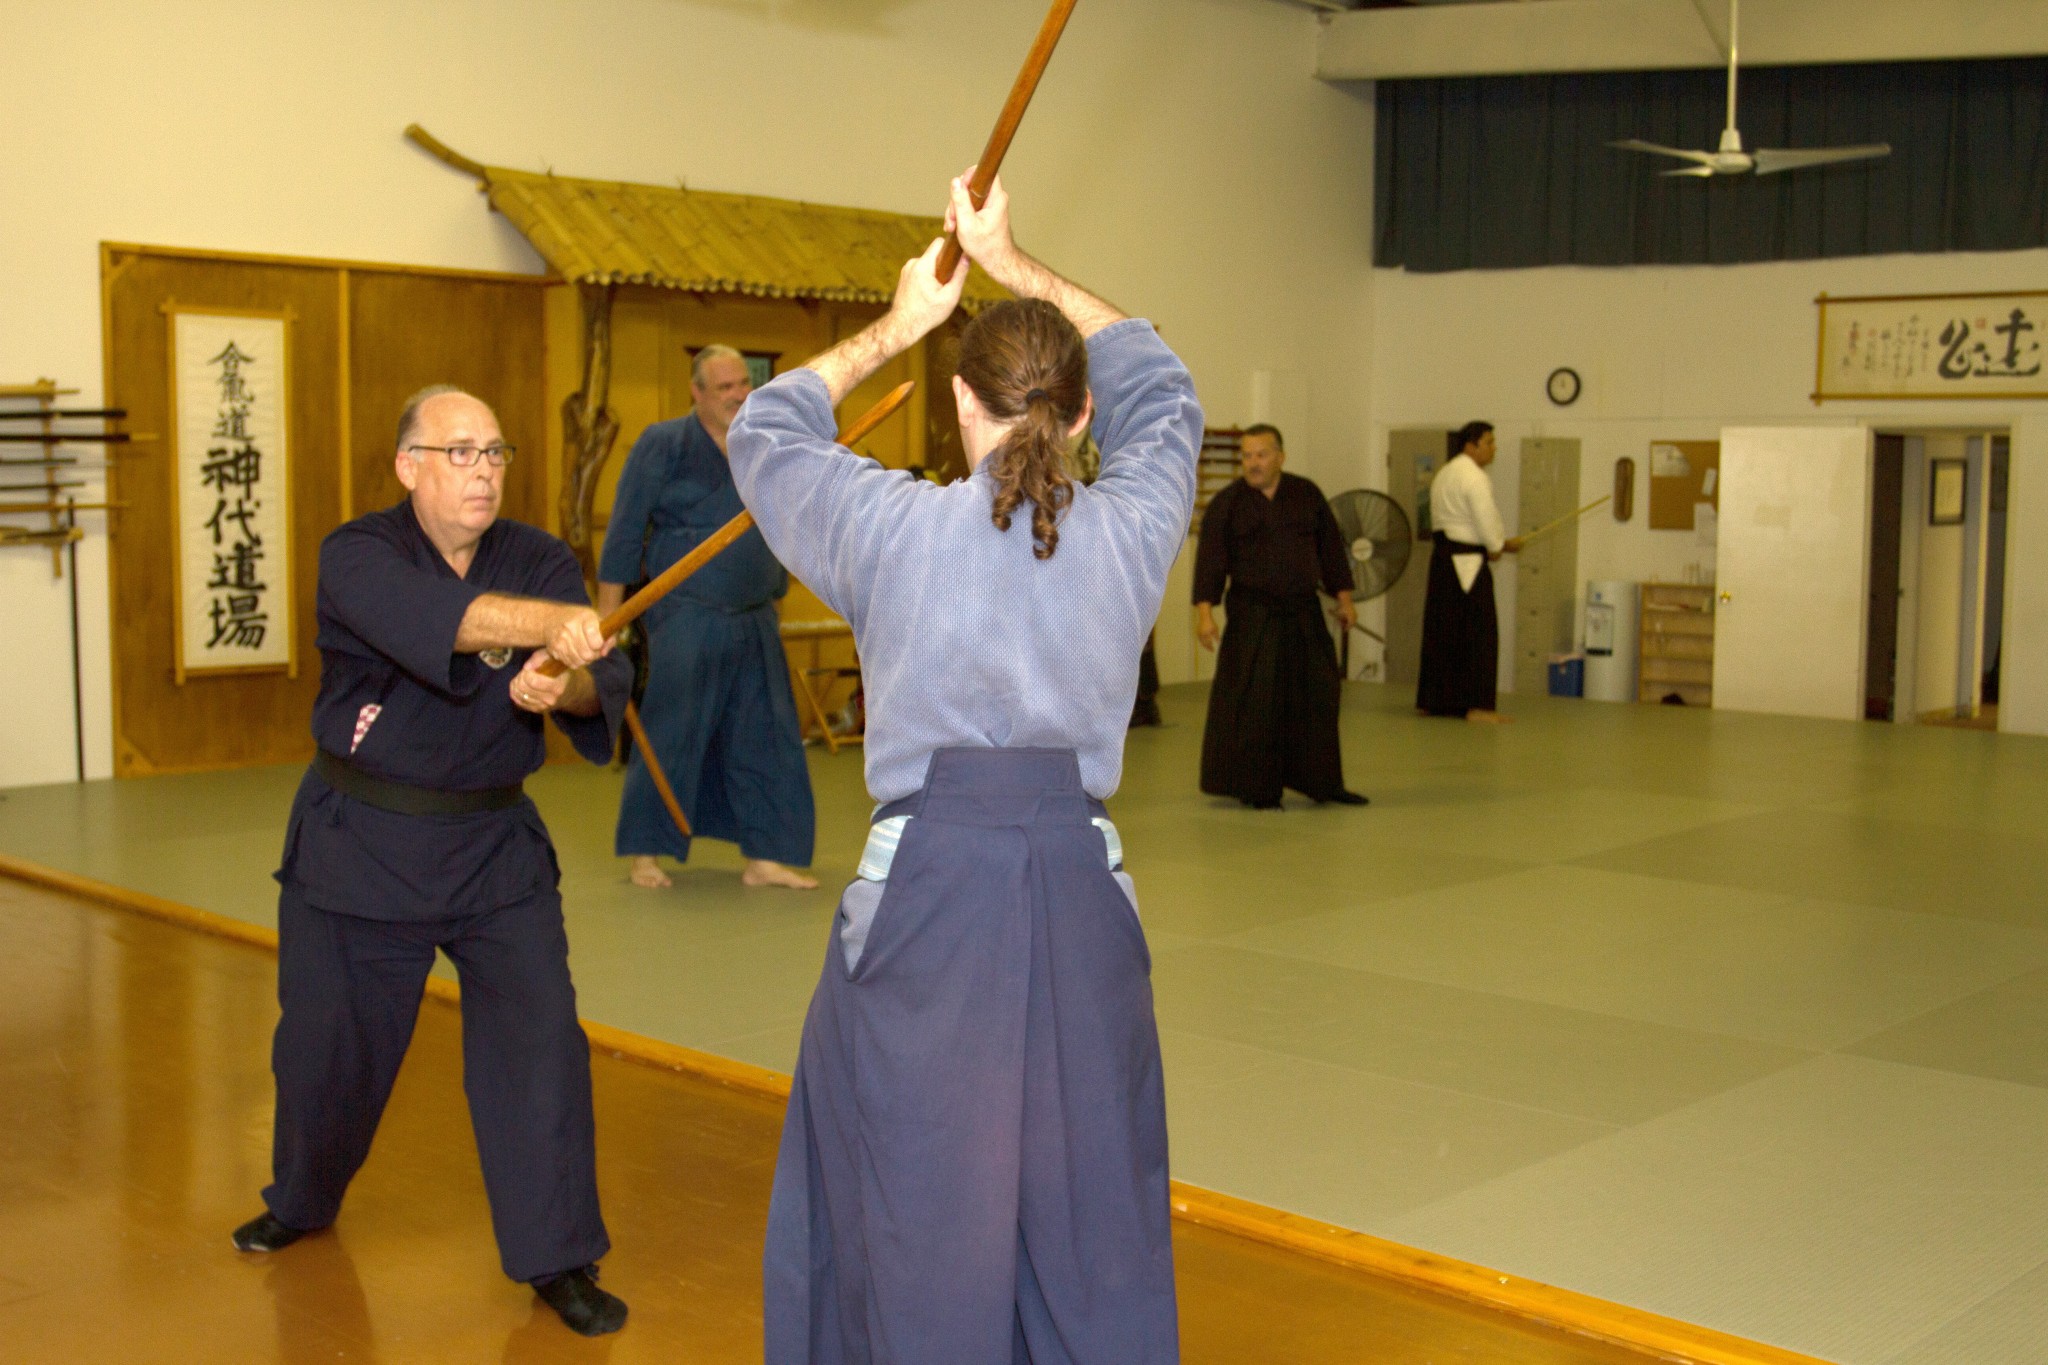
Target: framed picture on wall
1945	484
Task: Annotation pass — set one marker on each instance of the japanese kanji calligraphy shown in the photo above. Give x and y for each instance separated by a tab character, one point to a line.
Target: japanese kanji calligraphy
1933	346
234	588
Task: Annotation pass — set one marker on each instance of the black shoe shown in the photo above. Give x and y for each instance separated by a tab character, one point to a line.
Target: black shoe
583	1306
265	1233
1347	799
1250	804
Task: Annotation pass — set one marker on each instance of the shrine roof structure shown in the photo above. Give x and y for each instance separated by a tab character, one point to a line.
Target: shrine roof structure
703	241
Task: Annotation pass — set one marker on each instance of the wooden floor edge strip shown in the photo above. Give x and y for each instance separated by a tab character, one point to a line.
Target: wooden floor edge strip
1567	1309
121	898
758	1081
1635	1328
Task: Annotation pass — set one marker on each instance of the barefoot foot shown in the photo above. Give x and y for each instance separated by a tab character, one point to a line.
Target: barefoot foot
647	872
766	872
1489	718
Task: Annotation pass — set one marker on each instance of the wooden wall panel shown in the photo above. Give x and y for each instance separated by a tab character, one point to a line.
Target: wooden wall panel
409	330
350	374
212	720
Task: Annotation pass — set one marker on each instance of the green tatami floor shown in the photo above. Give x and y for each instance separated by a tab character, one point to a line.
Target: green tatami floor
1739	1019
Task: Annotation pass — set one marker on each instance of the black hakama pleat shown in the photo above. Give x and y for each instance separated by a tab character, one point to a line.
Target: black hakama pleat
1274	702
1460	636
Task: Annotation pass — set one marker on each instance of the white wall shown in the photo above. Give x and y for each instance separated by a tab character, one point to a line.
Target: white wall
1675	353
1179	159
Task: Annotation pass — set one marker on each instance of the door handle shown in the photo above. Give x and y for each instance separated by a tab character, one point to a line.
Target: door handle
1727	596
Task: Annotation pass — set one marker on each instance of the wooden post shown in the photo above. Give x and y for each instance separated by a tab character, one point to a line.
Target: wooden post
589	427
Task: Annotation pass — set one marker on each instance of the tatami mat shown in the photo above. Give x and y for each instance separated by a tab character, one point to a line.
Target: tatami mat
1844	1207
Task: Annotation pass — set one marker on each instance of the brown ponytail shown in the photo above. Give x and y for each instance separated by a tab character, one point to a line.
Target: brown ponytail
1028	365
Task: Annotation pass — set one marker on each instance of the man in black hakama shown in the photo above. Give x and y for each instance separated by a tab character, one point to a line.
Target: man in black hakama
1268	542
410	834
1460	626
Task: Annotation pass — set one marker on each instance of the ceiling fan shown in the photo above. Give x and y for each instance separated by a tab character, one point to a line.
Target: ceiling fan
1731	159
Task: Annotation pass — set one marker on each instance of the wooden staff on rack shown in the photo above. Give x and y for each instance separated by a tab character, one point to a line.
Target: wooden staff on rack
22	535
52	508
65	438
634	607
1006	124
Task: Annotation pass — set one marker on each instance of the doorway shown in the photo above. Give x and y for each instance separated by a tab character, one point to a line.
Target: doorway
1937	577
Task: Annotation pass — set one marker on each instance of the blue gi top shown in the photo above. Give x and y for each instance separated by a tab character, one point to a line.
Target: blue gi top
398	701
675	491
965	638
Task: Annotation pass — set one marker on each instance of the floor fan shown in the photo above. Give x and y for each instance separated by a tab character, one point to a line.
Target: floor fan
1377	532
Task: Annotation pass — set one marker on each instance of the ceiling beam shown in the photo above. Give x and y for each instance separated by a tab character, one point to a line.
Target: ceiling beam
1714	18
1650	35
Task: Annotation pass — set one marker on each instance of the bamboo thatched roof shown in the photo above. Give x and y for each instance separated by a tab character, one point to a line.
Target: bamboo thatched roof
616	232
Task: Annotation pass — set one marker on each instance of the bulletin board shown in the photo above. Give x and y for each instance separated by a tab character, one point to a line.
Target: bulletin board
1683	474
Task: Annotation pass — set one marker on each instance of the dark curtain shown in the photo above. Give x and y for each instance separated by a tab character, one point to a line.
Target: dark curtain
1501	172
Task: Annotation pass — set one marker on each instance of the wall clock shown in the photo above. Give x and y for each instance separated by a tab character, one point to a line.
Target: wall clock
1563	386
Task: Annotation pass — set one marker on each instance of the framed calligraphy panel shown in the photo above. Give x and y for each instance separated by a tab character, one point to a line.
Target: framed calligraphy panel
231	501
1932	346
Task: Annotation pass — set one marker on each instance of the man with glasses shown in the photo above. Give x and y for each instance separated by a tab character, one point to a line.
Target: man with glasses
719	711
411	833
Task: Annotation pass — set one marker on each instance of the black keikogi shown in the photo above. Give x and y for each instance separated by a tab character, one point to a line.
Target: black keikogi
1273	705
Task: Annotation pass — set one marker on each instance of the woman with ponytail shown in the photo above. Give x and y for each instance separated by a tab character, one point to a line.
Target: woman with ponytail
973	1166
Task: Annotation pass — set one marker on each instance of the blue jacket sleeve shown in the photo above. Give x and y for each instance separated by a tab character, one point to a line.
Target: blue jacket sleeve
640	482
406	614
825	511
1149	426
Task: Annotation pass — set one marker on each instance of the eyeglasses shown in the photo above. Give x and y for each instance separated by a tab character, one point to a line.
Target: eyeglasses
462	457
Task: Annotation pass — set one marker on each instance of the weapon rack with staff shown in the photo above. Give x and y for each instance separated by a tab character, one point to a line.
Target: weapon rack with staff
40	476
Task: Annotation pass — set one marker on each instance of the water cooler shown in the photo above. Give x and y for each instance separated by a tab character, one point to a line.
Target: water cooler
1611	631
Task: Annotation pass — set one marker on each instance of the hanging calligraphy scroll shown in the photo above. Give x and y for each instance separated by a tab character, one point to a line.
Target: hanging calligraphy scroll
233	583
1932	346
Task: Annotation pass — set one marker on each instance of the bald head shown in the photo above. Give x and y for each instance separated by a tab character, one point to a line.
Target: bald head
719	384
409	418
455	504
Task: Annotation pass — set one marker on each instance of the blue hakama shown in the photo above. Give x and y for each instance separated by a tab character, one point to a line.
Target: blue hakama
718	707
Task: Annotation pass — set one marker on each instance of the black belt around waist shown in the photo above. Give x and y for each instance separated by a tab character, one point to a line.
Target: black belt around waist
1460	547
1273	601
402	798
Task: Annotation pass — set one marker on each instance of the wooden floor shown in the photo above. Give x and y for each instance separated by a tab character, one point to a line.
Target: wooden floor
134	1065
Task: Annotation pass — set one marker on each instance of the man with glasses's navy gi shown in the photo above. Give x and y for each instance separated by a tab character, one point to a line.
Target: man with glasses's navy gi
410	834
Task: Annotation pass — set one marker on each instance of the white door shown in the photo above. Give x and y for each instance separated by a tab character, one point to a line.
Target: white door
1791	569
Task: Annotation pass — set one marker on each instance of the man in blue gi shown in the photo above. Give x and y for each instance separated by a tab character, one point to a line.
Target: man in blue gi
718	708
410	833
